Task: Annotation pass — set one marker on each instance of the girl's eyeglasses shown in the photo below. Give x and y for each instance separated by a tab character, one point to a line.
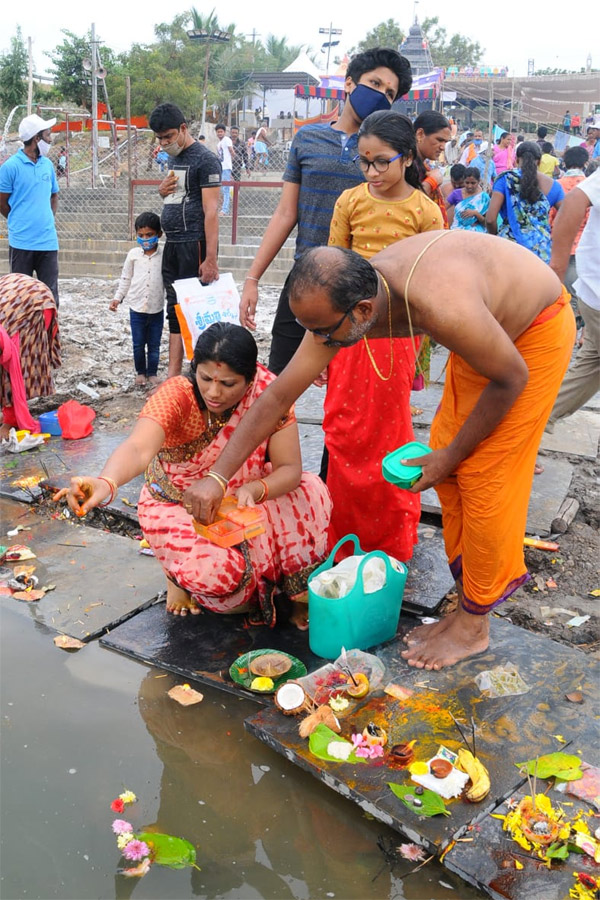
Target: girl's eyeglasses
380	165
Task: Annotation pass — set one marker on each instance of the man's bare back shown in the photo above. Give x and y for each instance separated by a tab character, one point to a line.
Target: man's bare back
465	269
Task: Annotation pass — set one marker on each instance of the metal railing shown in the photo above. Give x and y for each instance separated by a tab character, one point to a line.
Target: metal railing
252	205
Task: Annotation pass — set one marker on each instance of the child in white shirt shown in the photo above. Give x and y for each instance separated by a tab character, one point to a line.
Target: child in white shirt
142	284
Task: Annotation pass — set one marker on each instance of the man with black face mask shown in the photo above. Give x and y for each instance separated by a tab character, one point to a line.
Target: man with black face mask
321	166
189	219
29	199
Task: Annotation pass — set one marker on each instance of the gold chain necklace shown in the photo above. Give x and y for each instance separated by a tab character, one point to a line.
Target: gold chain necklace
373	363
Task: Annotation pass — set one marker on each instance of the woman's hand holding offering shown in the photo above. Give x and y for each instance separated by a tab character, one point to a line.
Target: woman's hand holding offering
203	498
85	493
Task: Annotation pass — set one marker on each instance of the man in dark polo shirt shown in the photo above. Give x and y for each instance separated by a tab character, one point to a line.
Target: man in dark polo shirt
190	214
321	166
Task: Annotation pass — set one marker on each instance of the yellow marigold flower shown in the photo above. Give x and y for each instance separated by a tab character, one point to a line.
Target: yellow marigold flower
128	797
580	826
123	840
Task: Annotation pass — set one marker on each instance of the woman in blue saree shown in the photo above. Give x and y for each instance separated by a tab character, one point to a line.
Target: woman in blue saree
470	210
523	198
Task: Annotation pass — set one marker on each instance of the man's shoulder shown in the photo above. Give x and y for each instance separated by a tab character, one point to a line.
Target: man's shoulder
318	131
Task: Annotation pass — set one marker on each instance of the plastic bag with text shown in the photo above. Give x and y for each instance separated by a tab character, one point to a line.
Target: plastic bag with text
201	305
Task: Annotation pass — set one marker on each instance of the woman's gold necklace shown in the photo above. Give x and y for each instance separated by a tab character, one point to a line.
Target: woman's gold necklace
373	363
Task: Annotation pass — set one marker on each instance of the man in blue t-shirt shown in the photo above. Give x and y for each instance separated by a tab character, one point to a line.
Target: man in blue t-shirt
321	166
29	199
190	191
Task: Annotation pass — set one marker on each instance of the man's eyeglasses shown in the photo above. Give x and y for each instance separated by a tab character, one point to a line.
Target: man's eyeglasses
380	165
321	332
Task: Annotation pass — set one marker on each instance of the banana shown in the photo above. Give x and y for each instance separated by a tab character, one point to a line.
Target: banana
477	772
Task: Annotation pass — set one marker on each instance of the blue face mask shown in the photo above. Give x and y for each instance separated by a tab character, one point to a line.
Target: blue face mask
477	142
365	100
148	243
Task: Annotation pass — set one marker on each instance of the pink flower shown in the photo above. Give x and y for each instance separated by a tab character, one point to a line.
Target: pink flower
120	826
411	851
136	850
117	805
358	741
363	752
375	751
138	871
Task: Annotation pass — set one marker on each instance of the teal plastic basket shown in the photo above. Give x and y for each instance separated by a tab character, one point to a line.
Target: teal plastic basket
358	620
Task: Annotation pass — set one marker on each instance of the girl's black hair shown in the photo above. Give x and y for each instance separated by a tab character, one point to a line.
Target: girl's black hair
226	343
473	172
397	131
502	136
529	154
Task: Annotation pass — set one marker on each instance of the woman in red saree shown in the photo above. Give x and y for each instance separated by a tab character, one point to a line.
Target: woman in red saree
367	406
181	431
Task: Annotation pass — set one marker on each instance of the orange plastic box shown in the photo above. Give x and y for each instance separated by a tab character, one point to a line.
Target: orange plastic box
233	524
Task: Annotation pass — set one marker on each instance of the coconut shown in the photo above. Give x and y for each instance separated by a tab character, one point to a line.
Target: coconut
324	715
271	665
290	698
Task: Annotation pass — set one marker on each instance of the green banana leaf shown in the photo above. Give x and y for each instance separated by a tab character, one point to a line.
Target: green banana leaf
166	850
433	805
320	739
562	765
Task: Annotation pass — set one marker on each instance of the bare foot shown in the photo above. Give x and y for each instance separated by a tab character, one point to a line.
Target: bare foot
179	601
462	635
299	616
423	632
538	469
415	411
4	431
154	380
140	379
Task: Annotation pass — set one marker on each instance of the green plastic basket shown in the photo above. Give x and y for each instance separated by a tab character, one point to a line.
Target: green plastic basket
358	620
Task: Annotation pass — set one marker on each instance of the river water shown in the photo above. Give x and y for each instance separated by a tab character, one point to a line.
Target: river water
79	728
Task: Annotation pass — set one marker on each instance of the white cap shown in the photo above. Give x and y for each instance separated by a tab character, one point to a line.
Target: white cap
32	125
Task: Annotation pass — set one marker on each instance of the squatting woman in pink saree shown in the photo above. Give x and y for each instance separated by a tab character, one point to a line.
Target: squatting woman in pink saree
181	431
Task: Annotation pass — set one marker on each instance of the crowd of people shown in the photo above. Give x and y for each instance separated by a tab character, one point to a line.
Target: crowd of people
390	254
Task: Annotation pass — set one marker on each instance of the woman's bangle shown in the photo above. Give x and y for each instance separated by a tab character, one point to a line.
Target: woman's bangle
222	478
113	489
265	491
251	278
219	479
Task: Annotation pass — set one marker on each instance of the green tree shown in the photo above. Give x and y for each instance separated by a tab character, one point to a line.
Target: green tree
13	73
278	54
456	50
386	34
71	79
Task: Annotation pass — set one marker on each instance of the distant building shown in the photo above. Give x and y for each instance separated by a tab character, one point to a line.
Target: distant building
416	50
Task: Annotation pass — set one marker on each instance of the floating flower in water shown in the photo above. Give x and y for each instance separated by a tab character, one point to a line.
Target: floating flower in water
120	826
148	848
136	850
138	871
123	839
411	851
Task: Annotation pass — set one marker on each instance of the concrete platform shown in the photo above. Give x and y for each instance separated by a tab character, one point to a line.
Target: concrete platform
508	729
58	460
202	648
488	862
101	579
576	435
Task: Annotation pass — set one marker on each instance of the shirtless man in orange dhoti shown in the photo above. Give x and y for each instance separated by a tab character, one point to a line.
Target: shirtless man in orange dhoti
506	320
